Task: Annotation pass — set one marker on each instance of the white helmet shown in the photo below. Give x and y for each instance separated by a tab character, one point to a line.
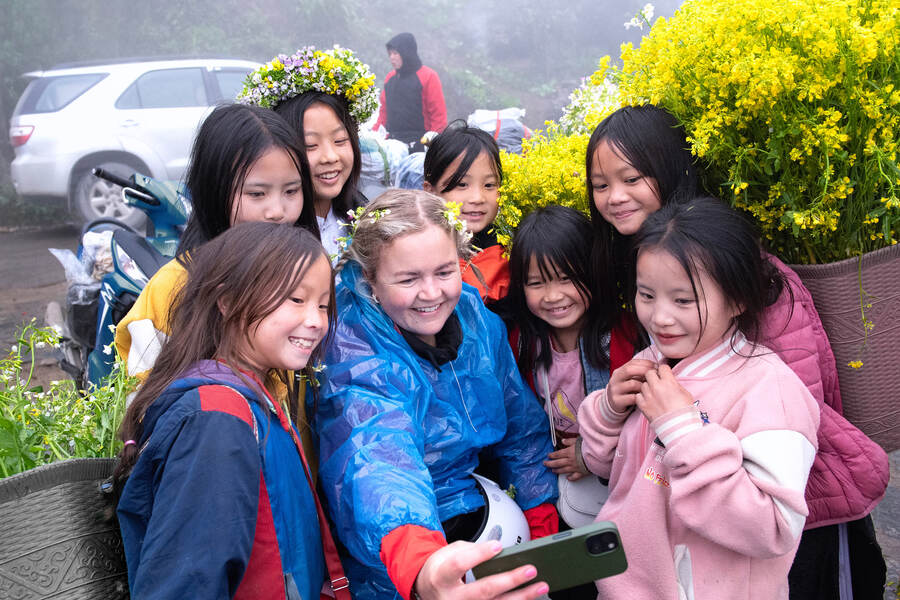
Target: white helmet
503	519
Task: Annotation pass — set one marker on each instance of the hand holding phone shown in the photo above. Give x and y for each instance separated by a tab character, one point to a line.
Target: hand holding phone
442	576
565	559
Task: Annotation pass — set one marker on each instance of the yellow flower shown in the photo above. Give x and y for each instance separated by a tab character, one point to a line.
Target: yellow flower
855	364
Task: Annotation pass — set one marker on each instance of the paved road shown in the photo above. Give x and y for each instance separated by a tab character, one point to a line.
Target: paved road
30	277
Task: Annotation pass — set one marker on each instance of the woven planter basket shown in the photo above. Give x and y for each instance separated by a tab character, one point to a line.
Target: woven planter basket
52	542
870	394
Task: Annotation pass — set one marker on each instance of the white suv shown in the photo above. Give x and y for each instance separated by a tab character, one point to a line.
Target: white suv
125	117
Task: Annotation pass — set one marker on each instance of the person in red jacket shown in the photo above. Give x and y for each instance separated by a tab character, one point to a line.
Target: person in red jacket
412	101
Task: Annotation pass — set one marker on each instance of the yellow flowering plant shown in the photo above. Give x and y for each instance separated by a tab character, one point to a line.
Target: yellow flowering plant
793	107
550	170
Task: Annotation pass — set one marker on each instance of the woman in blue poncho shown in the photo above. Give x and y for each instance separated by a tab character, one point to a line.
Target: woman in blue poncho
420	385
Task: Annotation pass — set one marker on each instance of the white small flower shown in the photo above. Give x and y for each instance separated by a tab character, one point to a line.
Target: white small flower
107	349
40	345
14	348
112	328
644	16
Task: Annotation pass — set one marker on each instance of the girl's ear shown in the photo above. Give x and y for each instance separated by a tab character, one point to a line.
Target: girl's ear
428	187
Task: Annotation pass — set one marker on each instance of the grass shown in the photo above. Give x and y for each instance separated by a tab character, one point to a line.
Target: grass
15	214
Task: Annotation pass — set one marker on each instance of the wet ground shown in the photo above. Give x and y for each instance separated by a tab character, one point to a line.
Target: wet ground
30	277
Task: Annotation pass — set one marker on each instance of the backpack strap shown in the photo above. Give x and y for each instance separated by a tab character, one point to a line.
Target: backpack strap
340	585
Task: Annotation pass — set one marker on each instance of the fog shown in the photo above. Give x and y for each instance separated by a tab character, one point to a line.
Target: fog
488	54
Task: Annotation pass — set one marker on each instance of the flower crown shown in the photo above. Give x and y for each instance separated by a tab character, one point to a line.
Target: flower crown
354	218
336	71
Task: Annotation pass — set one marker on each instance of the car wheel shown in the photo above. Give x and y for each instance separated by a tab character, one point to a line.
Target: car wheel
97	198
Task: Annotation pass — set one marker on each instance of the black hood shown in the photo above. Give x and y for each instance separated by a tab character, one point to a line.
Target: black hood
405	45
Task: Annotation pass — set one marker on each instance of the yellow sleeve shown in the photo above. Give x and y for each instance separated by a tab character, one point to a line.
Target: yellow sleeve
142	332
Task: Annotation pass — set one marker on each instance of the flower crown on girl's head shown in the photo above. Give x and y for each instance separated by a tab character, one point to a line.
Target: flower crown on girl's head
451	213
336	71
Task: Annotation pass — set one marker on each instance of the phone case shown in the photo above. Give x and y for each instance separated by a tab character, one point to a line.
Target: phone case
565	559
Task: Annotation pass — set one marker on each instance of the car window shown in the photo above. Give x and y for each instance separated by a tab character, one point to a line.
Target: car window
231	81
166	88
50	94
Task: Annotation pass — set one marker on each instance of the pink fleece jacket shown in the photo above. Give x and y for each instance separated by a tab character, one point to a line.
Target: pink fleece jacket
851	472
716	509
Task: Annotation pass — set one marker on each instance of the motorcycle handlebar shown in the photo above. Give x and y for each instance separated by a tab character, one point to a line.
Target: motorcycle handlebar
110	177
133	189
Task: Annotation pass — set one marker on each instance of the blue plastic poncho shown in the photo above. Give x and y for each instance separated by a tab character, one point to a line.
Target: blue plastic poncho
399	438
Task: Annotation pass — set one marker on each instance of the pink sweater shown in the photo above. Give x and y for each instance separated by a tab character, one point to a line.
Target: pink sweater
716	511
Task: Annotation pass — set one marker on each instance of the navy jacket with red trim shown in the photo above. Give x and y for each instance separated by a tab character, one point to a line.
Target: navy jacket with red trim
218	504
412	104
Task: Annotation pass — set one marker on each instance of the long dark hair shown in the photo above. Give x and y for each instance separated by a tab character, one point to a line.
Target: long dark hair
705	233
558	238
231	139
458	139
652	141
293	110
252	267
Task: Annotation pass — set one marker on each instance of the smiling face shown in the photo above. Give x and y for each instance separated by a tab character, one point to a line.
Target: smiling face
417	281
680	323
556	300
285	338
329	152
271	190
623	196
477	192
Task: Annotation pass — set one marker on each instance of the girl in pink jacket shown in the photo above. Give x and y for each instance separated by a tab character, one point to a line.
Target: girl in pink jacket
639	160
707	438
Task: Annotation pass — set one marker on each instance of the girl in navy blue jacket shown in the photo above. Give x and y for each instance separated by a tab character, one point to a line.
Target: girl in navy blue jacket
217	499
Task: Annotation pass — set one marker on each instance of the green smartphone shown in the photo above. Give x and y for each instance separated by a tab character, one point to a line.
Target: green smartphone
565	559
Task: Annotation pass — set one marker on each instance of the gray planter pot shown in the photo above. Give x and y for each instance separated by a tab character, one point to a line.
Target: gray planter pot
53	541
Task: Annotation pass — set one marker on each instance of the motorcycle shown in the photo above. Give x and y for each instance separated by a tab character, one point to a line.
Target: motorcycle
113	264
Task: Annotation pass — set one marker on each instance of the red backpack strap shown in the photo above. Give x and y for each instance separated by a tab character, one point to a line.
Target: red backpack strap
340	585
